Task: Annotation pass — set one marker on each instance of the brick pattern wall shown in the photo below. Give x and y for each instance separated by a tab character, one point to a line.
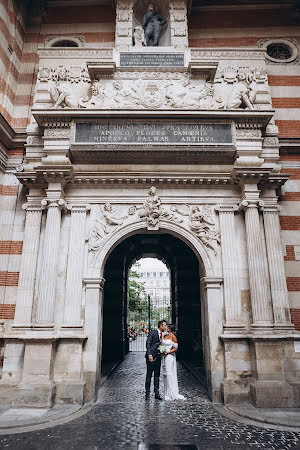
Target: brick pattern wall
7	311
11	247
290	222
9	278
290	253
295	316
8	190
19	43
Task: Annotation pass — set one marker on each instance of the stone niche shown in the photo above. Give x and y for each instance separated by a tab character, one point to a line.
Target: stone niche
130	14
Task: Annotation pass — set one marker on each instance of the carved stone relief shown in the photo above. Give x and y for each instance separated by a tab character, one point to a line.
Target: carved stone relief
249	87
109	218
167	94
241	88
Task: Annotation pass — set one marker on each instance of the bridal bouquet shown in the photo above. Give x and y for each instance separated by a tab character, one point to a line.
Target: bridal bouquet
162	349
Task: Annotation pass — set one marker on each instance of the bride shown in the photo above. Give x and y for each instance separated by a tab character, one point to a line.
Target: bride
169	366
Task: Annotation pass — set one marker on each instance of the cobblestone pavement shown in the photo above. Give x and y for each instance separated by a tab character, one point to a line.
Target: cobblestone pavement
122	419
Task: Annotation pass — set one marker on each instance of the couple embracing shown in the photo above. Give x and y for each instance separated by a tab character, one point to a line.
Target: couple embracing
161	347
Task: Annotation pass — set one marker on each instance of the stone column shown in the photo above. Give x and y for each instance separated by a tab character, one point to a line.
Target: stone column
93	327
73	300
279	290
47	285
23	314
212	322
261	311
232	291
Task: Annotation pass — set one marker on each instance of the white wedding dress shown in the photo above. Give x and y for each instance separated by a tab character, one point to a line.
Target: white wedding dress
169	370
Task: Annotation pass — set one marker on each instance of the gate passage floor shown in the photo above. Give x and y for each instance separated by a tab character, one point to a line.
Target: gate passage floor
123	419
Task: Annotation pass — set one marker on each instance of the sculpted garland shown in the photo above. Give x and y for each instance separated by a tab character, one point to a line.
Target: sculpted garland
109	219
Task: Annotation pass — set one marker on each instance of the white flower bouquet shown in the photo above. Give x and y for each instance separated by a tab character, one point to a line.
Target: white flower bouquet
162	349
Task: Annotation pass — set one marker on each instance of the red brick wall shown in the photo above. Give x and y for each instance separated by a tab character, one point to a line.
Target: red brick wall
7	311
290	222
290	253
295	316
9	278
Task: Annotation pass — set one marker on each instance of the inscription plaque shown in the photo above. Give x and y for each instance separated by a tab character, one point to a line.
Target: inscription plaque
191	133
152	59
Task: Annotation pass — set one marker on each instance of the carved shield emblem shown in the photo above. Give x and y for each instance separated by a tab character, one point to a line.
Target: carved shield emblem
153	95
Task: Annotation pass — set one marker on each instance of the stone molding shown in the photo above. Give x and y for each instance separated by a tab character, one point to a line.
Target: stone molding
251	203
94	283
211	283
226	208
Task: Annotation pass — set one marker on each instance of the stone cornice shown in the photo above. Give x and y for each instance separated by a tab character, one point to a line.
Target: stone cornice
245	118
9	137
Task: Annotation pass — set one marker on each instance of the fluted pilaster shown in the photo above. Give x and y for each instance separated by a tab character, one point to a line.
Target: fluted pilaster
23	314
232	292
72	309
261	311
47	285
279	291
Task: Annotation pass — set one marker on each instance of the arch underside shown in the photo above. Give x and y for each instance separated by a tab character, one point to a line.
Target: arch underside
185	294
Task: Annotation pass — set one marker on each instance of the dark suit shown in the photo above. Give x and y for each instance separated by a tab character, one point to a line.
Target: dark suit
152	344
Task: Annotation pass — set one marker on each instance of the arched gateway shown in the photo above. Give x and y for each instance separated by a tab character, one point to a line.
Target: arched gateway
132	146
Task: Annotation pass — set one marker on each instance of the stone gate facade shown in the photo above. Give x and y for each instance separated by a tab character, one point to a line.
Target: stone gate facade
122	139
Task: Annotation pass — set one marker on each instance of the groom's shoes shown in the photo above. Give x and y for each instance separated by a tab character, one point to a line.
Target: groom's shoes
147	397
157	396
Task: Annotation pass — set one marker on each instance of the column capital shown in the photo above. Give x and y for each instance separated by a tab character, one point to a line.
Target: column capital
211	283
251	203
94	283
274	209
51	203
226	208
32	207
78	208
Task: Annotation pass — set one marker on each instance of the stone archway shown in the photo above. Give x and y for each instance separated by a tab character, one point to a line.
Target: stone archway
211	306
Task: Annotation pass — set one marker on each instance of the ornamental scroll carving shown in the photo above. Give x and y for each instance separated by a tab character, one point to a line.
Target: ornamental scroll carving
109	218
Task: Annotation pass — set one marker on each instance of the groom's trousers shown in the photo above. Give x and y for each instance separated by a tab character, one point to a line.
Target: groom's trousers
153	367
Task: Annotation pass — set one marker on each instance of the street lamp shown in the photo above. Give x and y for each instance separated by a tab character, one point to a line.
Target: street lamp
149	314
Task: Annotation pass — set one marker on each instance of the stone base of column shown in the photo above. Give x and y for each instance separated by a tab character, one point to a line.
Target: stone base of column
266	328
272	394
34	395
7	392
235	391
288	328
70	391
234	329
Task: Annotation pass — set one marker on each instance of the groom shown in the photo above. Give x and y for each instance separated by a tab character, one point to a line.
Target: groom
153	358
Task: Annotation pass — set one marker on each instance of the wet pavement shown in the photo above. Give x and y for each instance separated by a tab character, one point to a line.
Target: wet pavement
123	419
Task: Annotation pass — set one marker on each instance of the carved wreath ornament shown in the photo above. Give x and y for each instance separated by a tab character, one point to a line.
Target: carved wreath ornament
109	219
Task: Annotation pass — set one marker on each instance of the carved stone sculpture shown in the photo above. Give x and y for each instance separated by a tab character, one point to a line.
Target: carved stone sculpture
61	93
152	23
125	96
202	223
139	37
97	98
151	210
107	220
242	94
